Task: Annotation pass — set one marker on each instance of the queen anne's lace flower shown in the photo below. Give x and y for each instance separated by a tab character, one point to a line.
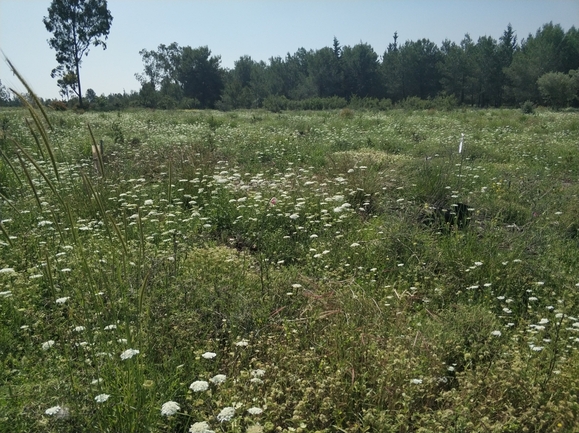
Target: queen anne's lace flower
226	414
129	353
218	378
199	386
170	408
47	344
200	427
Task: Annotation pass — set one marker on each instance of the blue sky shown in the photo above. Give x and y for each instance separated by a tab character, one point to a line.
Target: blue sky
258	28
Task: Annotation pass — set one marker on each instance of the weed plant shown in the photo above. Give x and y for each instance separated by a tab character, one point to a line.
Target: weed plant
273	272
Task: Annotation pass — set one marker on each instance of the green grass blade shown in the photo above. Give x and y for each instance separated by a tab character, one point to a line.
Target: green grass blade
30	181
11	167
40	171
8	202
35	136
3	230
41	129
97	149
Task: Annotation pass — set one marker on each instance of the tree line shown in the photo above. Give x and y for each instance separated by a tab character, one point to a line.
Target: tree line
540	69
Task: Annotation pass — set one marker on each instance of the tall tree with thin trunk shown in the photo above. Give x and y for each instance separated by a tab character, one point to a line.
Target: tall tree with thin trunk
75	26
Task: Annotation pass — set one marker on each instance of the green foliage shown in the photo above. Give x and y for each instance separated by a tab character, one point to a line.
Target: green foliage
558	89
75	25
180	72
275	103
288	253
527	107
416	74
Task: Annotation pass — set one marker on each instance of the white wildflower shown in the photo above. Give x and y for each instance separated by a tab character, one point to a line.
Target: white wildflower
199	386
209	355
255	410
226	414
53	410
416	381
47	344
218	378
200	427
170	408
101	398
129	353
57	412
537	348
62	300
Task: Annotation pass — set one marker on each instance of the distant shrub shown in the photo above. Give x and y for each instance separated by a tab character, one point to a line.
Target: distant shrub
527	107
558	89
444	102
58	106
413	103
167	103
363	103
188	103
385	104
346	113
440	102
331	103
275	103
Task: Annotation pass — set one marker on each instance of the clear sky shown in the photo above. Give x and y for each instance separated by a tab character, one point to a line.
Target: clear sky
258	28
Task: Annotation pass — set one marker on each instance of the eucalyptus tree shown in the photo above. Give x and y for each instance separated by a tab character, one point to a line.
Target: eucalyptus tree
75	26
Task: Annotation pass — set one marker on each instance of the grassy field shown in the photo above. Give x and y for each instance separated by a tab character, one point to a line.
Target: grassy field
293	272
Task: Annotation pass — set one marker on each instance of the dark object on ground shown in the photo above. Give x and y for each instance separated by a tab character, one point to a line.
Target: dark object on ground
456	215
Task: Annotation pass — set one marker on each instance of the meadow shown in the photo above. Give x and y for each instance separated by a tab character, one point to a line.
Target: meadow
250	271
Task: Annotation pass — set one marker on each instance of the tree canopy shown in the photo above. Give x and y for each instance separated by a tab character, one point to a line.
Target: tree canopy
75	25
485	72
